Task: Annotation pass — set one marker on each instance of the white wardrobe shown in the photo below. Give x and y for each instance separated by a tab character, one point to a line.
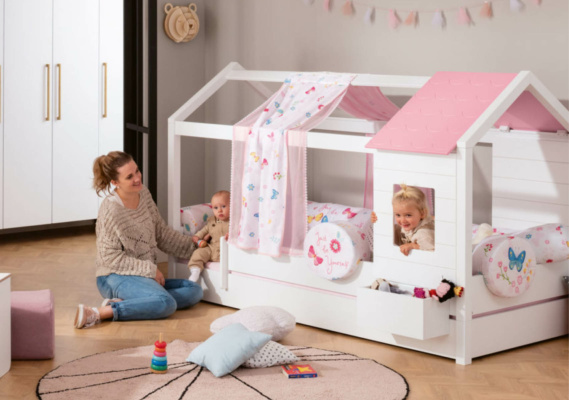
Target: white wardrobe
61	106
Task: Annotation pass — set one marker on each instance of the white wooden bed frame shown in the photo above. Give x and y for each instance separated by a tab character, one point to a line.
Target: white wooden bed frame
528	190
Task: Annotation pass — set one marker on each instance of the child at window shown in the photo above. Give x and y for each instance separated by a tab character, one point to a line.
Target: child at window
414	228
209	237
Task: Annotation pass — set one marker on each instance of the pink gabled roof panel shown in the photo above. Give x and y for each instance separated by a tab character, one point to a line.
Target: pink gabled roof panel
528	114
435	118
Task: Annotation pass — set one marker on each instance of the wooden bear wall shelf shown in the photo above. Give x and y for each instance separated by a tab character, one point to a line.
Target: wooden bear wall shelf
181	24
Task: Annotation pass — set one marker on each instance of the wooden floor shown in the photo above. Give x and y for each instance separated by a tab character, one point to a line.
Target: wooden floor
63	261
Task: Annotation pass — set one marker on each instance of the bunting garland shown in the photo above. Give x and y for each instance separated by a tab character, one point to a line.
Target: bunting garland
412	20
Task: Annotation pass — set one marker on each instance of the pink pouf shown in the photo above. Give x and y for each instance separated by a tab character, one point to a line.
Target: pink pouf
33	328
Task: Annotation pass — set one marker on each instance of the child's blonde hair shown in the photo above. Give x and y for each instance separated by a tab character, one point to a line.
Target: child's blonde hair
414	195
223	193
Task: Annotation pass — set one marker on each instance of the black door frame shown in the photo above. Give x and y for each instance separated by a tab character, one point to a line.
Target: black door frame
133	87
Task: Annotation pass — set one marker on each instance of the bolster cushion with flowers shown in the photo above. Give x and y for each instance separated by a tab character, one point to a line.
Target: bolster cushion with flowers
336	242
507	264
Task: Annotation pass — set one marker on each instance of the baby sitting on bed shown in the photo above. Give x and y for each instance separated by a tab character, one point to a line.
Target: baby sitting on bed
208	238
414	228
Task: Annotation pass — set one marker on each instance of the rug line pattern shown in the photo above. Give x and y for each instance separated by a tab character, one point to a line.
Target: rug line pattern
169	382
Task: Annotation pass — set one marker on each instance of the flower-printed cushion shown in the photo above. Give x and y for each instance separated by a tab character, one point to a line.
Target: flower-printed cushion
550	241
193	218
271	354
335	250
507	264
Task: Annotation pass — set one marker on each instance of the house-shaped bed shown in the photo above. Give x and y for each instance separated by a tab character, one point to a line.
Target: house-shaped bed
492	148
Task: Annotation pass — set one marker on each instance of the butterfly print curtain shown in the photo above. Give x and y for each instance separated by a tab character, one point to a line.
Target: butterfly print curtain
268	185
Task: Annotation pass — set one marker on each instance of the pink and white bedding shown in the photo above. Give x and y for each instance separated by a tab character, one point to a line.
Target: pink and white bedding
336	243
193	218
508	260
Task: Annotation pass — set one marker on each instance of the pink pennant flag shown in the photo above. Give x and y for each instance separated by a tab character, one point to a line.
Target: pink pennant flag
393	19
326	5
486	10
411	19
347	8
537	2
369	16
464	16
516	5
438	19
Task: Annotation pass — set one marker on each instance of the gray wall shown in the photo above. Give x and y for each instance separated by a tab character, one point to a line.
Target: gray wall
181	73
288	35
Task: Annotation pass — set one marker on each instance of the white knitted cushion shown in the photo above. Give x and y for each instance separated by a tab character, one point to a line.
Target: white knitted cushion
271	354
271	320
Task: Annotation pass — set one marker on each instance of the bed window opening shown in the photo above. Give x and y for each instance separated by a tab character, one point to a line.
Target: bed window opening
413	218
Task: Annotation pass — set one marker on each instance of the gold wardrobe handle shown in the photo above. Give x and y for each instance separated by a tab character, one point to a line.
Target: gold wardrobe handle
48	91
105	92
59	91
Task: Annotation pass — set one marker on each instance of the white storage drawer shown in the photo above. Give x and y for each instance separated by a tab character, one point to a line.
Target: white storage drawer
402	315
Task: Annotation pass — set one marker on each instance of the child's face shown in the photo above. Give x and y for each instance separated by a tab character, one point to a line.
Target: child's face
220	205
407	215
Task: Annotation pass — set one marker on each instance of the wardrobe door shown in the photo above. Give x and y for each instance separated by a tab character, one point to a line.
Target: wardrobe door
75	110
111	126
27	117
1	111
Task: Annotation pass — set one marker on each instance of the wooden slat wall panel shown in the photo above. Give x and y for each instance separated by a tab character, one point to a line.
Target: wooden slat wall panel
530	179
444	186
412	162
539	213
530	170
529	146
541	192
444	256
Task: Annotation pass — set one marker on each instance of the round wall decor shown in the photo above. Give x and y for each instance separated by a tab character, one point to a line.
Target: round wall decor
181	24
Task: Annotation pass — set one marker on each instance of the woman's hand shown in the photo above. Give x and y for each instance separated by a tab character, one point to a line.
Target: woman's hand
407	247
160	277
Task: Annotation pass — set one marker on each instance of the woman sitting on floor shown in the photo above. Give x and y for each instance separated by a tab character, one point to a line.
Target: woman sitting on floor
129	231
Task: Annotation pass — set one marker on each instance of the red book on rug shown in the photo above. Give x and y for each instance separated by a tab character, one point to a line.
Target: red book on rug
299	371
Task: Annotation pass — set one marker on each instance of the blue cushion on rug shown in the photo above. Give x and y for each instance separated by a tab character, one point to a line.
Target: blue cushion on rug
223	352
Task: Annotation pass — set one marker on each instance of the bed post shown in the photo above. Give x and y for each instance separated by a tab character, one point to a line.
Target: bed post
464	254
174	163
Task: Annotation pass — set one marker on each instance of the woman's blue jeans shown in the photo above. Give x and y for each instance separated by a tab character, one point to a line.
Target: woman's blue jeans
144	298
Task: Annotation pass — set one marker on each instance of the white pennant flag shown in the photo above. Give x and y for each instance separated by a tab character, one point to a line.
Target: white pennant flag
516	5
438	19
308	2
369	16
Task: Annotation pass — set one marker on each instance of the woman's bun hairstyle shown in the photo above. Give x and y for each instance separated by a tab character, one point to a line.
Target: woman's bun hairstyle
105	170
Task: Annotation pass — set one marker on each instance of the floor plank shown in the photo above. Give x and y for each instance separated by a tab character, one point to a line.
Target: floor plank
63	261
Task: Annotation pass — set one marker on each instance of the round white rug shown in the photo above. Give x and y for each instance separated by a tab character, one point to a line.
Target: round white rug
125	374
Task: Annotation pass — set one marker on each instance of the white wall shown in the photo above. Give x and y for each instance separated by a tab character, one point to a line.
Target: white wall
288	35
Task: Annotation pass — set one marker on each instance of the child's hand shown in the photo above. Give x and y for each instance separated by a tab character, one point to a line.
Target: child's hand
195	239
373	217
226	236
407	247
207	237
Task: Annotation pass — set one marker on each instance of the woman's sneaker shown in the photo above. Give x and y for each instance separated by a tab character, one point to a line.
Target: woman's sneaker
86	317
108	302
